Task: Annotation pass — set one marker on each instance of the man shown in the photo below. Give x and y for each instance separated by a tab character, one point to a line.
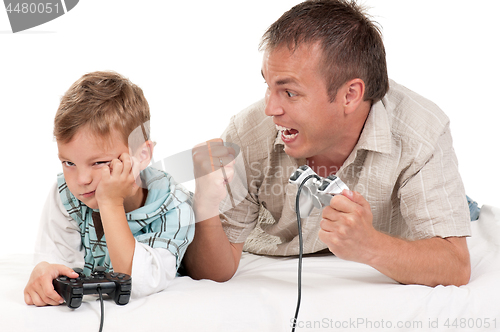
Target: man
329	104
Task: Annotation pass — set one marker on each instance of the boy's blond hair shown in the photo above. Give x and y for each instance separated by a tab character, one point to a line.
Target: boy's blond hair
102	100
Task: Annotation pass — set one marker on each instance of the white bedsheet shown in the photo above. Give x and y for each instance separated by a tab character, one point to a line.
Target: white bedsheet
337	295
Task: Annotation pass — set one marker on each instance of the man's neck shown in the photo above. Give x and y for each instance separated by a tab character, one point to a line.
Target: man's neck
323	166
330	161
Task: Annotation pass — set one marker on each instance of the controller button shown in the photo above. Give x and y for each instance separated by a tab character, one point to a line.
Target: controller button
123	299
63	278
100	269
75	302
126	287
113	274
295	176
72	280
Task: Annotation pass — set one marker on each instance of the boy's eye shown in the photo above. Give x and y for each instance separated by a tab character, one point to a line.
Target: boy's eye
100	163
68	163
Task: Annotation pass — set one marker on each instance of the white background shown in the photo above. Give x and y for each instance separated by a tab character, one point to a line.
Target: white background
198	63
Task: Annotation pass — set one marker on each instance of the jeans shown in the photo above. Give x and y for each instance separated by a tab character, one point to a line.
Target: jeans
473	208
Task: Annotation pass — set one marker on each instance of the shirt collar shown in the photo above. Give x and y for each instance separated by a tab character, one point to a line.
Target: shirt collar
376	134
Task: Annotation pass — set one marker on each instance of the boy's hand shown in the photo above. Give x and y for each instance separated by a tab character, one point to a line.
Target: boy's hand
39	290
210	180
118	181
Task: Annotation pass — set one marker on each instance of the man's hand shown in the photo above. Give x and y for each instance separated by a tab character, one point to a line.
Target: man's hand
211	182
118	181
211	255
39	290
347	229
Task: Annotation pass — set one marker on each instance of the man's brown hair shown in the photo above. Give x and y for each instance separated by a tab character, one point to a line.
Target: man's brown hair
351	43
102	100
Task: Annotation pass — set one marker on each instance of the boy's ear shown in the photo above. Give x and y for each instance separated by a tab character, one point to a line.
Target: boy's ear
144	154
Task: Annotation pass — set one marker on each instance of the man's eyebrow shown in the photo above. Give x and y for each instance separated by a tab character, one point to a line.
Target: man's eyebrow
287	80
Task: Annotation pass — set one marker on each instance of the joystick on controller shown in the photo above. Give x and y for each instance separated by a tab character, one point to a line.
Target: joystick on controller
117	285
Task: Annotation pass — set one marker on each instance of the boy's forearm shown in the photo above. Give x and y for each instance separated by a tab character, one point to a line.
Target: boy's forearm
211	255
119	238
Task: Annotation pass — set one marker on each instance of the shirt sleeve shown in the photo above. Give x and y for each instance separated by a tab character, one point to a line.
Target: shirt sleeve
152	270
58	240
433	201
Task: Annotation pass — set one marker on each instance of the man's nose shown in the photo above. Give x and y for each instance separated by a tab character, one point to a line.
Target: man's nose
273	105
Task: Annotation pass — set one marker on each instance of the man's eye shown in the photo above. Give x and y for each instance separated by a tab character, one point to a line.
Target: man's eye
290	94
68	163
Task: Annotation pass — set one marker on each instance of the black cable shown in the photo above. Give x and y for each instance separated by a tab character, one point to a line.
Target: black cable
301	249
102	308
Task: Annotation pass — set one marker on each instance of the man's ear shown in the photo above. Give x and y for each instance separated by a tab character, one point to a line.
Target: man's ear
354	94
144	154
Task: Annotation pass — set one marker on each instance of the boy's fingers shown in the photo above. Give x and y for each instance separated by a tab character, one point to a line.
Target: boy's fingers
116	167
68	272
126	162
106	172
51	296
28	299
37	300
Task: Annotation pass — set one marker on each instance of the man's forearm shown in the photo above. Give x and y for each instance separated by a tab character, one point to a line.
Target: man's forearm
211	255
430	262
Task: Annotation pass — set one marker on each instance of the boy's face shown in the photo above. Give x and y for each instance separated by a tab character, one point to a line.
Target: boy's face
82	161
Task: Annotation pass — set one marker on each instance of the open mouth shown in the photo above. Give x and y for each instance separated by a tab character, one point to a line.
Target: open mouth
287	133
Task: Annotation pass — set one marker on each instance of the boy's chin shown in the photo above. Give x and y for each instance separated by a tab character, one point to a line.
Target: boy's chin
91	204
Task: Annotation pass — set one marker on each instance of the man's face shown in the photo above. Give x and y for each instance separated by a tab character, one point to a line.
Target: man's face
82	161
297	99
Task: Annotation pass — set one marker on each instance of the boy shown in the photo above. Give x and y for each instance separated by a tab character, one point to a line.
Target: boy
108	207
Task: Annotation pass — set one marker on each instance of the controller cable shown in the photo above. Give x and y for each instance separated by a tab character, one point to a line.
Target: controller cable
301	245
102	308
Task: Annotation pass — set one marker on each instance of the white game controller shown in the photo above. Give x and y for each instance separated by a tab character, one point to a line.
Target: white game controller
316	191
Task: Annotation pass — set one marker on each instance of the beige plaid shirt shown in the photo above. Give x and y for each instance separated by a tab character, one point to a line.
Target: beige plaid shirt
403	164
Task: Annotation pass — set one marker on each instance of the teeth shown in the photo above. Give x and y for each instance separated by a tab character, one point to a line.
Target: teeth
289	136
283	129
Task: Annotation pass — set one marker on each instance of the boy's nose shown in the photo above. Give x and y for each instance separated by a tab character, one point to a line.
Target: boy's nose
84	177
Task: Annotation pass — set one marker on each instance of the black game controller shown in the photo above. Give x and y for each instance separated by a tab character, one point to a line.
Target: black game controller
116	285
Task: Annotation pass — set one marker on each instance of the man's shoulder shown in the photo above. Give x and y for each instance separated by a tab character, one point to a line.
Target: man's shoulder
251	127
413	115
